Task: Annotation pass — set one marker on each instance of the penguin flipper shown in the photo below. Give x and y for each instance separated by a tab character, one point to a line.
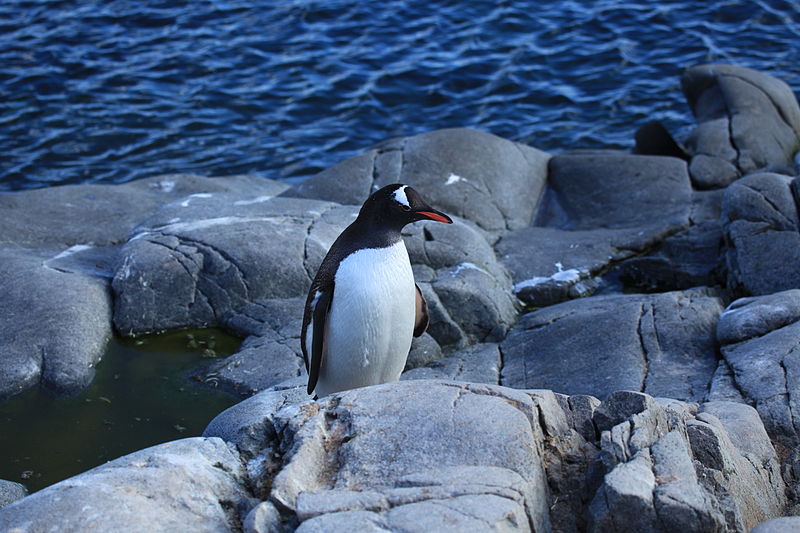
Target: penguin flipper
421	318
320	317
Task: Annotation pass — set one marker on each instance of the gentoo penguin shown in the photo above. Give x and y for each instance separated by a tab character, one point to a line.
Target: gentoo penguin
363	306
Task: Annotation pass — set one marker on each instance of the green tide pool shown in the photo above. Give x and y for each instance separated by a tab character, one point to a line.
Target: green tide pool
143	394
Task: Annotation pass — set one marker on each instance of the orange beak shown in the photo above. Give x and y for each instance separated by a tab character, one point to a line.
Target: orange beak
436	215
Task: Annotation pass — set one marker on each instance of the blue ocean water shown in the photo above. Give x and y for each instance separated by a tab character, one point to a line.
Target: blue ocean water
113	90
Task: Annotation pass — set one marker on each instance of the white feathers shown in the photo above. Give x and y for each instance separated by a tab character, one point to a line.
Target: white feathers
315	300
400	196
371	321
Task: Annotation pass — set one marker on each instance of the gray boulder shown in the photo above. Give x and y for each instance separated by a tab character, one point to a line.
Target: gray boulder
748	318
672	468
747	121
11	492
192	484
600	207
377	457
760	222
760	340
786	524
475	175
55	323
662	344
198	260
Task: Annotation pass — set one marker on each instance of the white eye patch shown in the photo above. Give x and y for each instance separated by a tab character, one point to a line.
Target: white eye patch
400	196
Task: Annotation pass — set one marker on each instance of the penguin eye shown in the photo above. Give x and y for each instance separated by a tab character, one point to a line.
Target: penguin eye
405	207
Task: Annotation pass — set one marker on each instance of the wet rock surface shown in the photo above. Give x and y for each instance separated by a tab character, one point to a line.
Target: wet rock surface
612	346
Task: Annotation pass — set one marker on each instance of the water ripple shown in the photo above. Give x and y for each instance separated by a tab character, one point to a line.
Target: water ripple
108	91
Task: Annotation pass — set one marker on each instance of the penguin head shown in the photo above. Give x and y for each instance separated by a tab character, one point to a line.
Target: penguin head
398	205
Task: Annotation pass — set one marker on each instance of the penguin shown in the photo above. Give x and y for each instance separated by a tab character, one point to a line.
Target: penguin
363	306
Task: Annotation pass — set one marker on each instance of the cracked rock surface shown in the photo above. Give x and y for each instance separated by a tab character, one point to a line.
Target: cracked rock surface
661	344
600	207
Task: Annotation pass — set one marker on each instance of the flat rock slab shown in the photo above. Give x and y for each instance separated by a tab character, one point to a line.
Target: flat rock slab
662	344
192	484
607	189
475	175
105	214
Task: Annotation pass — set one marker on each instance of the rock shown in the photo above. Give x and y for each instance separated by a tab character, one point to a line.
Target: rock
264	518
606	189
380	450
747	121
424	350
217	257
479	363
248	425
759	338
102	215
468	173
760	221
192	484
468	291
723	385
747	318
600	207
56	323
668	469
11	492
662	344
786	524
271	352
60	248
682	260
550	265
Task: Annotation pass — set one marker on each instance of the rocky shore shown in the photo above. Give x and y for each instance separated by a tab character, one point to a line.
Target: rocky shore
614	341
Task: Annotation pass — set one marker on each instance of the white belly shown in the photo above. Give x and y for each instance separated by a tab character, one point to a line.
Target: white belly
371	321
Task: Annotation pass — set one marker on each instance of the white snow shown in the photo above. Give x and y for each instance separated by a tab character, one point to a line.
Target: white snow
71	250
464	266
453	178
185	203
571	275
256	200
